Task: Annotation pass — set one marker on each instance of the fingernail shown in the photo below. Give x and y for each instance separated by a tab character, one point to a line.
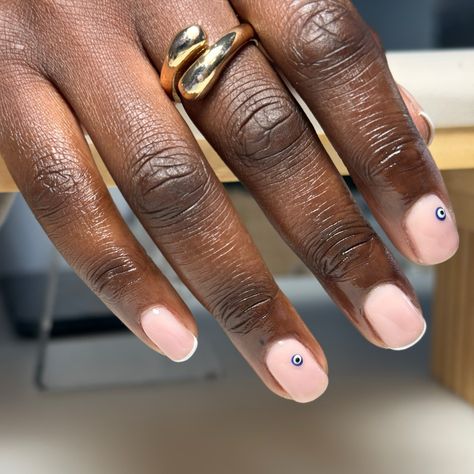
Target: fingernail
296	370
422	120
394	317
430	127
168	334
432	230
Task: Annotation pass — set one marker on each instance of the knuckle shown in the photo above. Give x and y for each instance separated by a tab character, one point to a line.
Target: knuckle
389	157
111	272
168	178
325	37
341	251
265	127
58	185
246	309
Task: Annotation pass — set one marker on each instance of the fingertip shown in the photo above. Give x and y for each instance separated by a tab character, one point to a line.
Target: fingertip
432	231
429	128
168	334
296	370
393	316
422	120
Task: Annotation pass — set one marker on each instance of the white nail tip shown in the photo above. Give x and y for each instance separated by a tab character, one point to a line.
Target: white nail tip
431	126
416	341
191	352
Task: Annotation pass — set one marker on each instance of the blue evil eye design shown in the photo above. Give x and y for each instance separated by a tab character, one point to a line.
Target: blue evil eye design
297	360
440	214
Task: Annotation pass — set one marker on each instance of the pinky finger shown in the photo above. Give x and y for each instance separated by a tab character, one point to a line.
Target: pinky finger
50	161
420	118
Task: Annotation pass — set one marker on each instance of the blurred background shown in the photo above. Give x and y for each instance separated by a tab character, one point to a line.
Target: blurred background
79	394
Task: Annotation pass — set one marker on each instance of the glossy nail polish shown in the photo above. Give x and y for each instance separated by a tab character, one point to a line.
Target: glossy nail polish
392	315
422	120
296	370
430	127
431	230
171	337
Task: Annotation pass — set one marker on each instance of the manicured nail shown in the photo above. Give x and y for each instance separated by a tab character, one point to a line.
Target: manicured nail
422	120
168	334
430	127
394	317
432	230
296	370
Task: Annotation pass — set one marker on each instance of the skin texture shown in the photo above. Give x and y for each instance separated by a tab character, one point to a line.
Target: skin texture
331	56
65	63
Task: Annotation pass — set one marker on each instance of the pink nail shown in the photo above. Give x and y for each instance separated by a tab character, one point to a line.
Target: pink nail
168	334
430	127
296	370
432	231
394	317
425	125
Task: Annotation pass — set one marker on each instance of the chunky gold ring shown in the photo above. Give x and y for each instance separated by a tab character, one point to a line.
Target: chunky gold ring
192	67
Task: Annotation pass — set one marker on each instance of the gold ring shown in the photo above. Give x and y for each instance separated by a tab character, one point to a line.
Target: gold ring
192	67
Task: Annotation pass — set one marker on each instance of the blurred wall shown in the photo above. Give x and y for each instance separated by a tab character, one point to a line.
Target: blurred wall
420	24
402	24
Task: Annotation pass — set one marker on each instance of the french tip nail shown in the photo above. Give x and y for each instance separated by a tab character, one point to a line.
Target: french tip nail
296	370
415	108
392	315
432	231
169	334
191	352
430	125
416	341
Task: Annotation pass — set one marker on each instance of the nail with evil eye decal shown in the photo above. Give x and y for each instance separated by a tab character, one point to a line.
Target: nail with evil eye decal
431	229
296	370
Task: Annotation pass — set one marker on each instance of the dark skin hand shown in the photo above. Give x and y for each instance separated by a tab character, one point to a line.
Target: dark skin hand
97	63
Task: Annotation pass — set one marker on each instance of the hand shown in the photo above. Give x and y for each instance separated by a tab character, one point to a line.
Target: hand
66	63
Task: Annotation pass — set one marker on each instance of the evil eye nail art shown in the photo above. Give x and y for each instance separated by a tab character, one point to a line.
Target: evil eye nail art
440	214
297	360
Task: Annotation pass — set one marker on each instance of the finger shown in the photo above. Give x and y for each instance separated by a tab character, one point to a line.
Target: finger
330	56
50	161
256	126
160	169
420	118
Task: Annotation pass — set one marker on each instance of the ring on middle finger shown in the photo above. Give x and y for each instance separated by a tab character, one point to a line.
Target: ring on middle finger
192	67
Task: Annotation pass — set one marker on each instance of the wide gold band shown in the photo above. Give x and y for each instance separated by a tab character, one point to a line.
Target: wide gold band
192	67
